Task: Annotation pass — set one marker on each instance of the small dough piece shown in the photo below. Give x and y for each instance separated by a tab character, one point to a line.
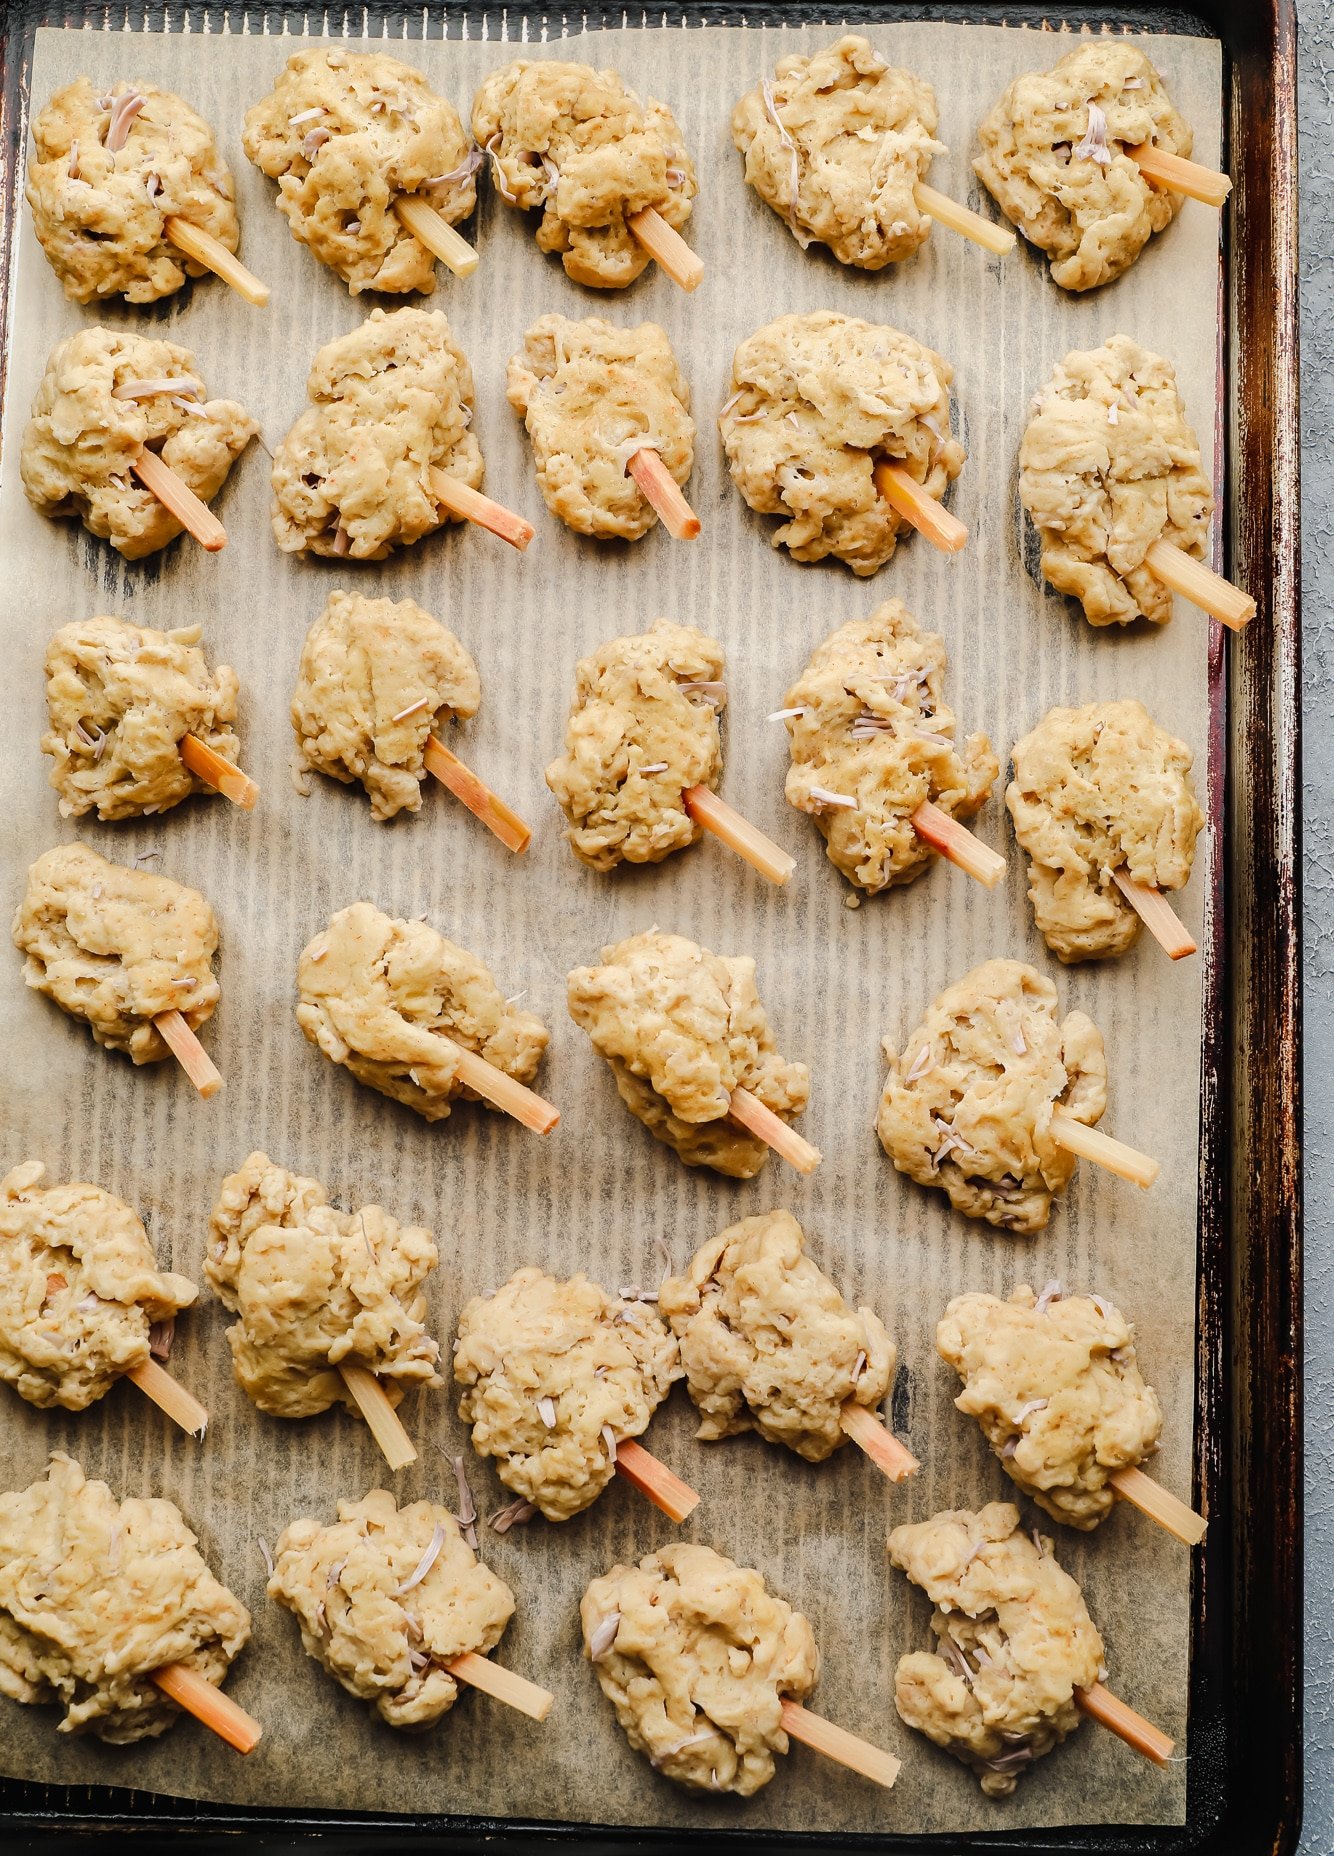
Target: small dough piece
1053	158
591	395
1108	466
391	400
1014	1642
117	946
105	395
650	701
95	1595
836	144
1054	1383
80	1290
551	1370
697	1656
99	214
119	700
876	729
817	402
1095	790
393	1001
378	678
348	1585
767	1342
682	1028
316	1288
968	1105
580	144
346	134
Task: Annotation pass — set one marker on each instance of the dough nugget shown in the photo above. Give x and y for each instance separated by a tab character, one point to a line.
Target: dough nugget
817	402
108	172
391	400
120	698
1108	466
580	145
80	1290
1054	1383
316	1288
767	1342
95	1595
345	135
117	947
968	1105
697	1656
1054	159
386	1598
591	395
682	1028
874	728
555	1375
393	1002
643	727
836	144
105	396
1096	790
1014	1641
378	678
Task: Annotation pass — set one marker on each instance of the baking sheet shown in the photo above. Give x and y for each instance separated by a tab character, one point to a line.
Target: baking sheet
600	1193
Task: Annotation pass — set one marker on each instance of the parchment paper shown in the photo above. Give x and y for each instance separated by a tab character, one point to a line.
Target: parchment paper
600	1194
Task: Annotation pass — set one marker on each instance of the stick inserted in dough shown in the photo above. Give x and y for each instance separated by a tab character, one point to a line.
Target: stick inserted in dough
436	233
218	1712
1152	1499
214	255
223	775
659	487
666	246
942	529
168	1395
738	834
1089	1144
476	795
193	515
480	1672
957	843
960	219
189	1053
1200	585
1158	916
1101	1705
750	1113
873	1436
837	1743
662	1486
515	1099
385	1424
460	499
1179	175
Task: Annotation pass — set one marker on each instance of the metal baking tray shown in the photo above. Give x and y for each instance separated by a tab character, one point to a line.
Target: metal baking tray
1244	1781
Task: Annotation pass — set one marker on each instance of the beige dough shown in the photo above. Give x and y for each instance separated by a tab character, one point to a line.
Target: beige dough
836	143
591	395
95	1594
767	1342
968	1105
386	1598
579	144
696	1655
816	402
875	728
390	401
116	946
105	395
99	214
1014	1641
682	1028
1095	790
643	726
555	1375
80	1290
1053	157
346	134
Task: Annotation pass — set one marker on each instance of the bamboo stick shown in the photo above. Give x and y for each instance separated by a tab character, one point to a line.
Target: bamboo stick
930	518
1152	1499
1101	1705
218	1712
1078	1138
486	1080
1200	585
662	1486
436	233
502	1684
476	795
658	487
214	255
955	841
1179	175
664	244
961	219
224	775
872	1435
838	1744
751	1114
169	1395
179	500
385	1423
189	1053
1158	916
738	834
460	499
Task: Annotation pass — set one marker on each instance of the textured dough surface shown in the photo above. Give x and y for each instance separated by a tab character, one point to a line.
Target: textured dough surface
817	402
554	1375
968	1105
682	1028
698	1663
1014	1641
95	1594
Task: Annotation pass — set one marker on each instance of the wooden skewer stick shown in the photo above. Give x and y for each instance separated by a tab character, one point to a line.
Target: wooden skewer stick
873	1436
663	1487
224	775
955	841
460	499
961	219
1158	916
188	1689
1200	585
1101	1705
1179	175
214	255
476	795
663	243
738	834
169	1395
503	1684
180	500
189	1053
941	527
751	1114
373	1404
1152	1499
1078	1138
500	1089
815	1731
436	233
658	486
